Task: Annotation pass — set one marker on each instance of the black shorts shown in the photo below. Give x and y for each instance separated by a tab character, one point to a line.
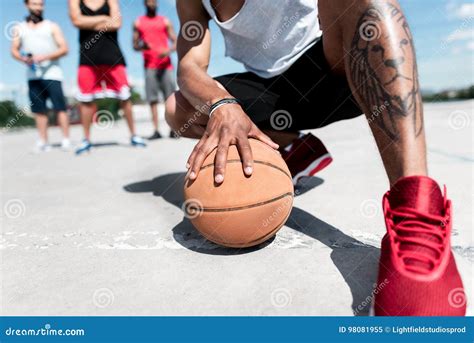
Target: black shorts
306	96
41	90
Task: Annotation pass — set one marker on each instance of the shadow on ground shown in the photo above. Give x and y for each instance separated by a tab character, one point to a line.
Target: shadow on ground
101	145
94	145
357	262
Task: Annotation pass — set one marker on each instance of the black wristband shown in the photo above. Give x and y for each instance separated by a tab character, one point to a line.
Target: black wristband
221	102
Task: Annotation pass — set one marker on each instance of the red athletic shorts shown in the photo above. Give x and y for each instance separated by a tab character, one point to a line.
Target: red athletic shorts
102	81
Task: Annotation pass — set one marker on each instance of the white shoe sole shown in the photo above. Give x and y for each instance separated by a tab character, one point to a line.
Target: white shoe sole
312	168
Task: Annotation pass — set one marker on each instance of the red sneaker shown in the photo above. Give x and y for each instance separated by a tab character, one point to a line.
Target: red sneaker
417	272
306	156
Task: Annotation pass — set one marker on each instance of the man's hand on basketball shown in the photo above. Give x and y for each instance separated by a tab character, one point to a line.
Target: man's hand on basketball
229	125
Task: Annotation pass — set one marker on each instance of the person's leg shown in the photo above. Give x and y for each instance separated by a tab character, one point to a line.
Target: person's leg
370	42
38	96
126	106
183	118
87	111
154	114
151	92
41	120
116	81
282	138
56	95
166	82
89	82
63	121
167	86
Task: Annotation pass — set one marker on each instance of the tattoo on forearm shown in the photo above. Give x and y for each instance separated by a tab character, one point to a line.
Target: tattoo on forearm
383	69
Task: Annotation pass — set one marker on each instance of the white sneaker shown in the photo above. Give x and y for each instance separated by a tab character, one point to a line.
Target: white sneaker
137	141
42	146
85	146
66	144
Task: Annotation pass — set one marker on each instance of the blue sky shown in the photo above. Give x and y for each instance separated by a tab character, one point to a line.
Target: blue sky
443	31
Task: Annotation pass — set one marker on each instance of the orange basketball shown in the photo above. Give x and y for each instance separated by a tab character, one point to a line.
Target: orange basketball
242	211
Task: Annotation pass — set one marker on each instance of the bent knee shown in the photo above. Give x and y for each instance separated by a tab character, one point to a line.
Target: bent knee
174	106
170	109
180	115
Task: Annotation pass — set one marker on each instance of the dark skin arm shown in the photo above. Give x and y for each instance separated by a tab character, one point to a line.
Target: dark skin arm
229	124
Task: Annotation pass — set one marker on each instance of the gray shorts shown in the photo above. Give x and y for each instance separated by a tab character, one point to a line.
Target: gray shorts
159	80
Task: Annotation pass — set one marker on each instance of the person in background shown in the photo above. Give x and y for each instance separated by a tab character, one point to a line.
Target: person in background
39	44
151	35
102	72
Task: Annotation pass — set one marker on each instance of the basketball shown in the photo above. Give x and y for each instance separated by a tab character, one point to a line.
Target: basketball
243	211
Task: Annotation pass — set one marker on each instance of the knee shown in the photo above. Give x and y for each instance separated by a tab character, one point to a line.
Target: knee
170	111
179	115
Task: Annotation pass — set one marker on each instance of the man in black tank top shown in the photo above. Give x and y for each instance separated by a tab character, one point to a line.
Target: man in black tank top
99	48
102	72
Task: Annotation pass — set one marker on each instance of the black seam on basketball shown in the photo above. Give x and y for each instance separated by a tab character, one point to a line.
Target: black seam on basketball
203	209
255	161
253	242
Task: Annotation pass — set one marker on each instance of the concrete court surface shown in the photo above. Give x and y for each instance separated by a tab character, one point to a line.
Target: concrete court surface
103	234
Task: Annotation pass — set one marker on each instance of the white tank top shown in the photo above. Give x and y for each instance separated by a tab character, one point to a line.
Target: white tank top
268	36
40	41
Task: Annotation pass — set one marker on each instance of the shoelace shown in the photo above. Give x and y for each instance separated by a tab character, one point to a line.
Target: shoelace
413	223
